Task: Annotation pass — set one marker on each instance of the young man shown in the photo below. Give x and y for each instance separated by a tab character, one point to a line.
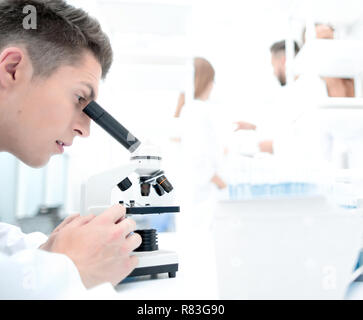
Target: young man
278	62
48	74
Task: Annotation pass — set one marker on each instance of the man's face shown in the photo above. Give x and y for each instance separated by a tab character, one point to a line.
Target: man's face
324	31
278	61
48	111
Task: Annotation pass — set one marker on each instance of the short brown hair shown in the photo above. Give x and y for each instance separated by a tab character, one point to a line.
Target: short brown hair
62	34
281	47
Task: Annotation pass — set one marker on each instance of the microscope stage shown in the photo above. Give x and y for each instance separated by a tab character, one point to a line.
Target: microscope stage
152	209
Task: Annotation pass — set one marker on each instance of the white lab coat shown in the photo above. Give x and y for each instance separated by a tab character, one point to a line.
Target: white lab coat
27	272
201	151
201	160
299	135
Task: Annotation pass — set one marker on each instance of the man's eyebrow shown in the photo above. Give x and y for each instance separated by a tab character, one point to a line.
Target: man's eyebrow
92	92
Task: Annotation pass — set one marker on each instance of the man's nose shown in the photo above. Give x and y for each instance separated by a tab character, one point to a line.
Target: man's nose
82	127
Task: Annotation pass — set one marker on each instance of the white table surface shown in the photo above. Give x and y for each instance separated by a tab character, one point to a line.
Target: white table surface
196	278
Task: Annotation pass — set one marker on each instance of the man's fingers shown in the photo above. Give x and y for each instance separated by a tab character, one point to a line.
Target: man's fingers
133	262
133	241
113	214
123	228
86	219
80	221
66	221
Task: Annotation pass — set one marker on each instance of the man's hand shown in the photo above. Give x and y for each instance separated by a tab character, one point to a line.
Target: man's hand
243	125
100	246
48	245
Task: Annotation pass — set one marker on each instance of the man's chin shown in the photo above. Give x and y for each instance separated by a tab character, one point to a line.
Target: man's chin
35	162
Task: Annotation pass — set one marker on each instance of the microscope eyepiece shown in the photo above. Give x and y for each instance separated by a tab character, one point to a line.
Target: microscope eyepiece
112	126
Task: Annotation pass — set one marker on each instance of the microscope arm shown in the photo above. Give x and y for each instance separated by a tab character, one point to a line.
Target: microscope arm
96	190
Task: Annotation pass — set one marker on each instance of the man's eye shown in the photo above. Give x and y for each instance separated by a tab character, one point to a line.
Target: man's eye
81	100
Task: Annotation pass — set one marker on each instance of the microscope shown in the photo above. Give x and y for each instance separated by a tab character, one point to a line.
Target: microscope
145	164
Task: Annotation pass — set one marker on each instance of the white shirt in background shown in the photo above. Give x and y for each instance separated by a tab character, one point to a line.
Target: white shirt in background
201	156
298	134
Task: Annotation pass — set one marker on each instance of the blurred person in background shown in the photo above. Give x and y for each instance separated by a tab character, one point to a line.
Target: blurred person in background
201	152
196	116
336	87
303	84
296	101
322	31
278	62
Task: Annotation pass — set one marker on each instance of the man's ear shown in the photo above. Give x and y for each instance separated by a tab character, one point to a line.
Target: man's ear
13	66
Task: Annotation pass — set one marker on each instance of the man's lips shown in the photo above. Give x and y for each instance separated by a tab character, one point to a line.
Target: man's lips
61	143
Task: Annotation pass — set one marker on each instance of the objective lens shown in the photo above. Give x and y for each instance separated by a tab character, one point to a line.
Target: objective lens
163	182
159	190
145	189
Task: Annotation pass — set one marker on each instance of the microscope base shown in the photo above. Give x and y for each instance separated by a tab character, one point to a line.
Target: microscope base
155	262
